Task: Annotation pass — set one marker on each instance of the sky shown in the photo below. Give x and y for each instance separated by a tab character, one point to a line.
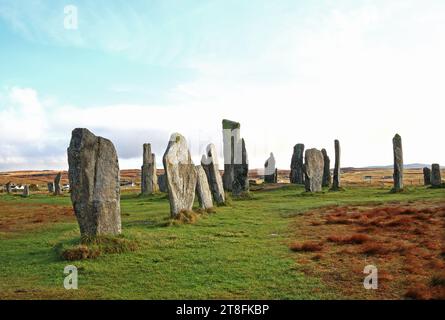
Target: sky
289	71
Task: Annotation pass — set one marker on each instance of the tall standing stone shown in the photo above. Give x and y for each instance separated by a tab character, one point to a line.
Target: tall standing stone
313	170
162	183
95	183
398	163
203	189
327	169
50	187
57	187
181	175
270	171
427	176
149	179
436	179
26	191
296	167
336	185
231	138
240	183
210	165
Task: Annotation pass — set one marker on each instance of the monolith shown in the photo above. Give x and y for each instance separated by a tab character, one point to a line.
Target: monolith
57	186
427	176
95	183
149	179
181	175
327	169
337	174
209	162
203	189
436	179
313	170
398	163
296	167
270	172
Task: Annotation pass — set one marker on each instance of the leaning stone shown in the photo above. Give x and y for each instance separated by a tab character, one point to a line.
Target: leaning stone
57	187
210	165
181	175
313	170
427	176
398	163
436	179
296	167
95	183
203	189
327	169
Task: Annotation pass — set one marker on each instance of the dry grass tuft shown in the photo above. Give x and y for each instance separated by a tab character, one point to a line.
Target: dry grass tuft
309	246
357	238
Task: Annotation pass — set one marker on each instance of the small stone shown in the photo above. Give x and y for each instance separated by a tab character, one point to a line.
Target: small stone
26	191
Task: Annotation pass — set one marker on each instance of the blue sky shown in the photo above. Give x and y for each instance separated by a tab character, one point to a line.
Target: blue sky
289	71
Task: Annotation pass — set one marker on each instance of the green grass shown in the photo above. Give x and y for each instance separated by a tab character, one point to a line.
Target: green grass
239	252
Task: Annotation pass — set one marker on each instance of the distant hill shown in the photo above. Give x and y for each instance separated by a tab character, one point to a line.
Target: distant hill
406	166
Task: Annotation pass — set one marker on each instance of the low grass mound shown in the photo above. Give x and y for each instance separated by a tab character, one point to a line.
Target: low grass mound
92	248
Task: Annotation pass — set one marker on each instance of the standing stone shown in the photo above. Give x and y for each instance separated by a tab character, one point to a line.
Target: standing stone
270	171
162	183
8	187
436	179
50	187
398	163
210	165
26	191
336	181
57	187
149	179
296	166
181	175
203	189
327	169
427	176
313	170
240	183
95	183
231	138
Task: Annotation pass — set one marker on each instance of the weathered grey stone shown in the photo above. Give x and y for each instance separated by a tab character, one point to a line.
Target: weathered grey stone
270	171
436	179
181	175
398	163
95	183
8	187
327	169
313	170
203	189
50	187
427	176
210	165
231	138
240	183
336	185
26	191
57	186
296	166
162	183
149	179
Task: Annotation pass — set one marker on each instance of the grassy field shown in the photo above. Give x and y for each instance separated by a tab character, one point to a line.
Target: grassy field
242	251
